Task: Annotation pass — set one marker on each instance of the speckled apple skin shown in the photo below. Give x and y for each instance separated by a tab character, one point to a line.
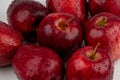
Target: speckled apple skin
33	62
98	6
74	7
81	67
10	41
25	16
108	35
62	41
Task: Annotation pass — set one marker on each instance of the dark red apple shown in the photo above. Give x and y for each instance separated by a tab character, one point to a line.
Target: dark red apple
32	62
25	15
105	29
90	63
74	7
60	32
10	41
97	6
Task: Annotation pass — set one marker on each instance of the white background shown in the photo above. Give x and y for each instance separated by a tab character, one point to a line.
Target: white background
7	73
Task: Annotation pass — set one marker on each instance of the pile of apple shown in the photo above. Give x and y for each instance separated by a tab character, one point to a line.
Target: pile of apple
76	39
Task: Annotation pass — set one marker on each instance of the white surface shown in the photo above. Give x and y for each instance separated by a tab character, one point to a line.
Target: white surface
7	73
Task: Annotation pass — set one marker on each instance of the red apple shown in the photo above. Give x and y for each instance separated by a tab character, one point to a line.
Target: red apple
97	6
32	62
74	7
25	15
90	63
60	32
105	29
10	41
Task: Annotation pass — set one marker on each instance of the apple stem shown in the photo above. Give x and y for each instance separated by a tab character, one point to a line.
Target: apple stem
70	20
63	24
93	53
102	22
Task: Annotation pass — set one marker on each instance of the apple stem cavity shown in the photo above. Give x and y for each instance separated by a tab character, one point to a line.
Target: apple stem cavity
63	24
93	52
102	21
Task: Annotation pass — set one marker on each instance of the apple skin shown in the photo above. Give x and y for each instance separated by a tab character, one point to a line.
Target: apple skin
74	7
10	41
81	67
33	62
25	16
62	39
98	6
108	34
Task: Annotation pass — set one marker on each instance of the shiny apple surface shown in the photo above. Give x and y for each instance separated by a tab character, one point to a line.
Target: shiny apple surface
7	73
